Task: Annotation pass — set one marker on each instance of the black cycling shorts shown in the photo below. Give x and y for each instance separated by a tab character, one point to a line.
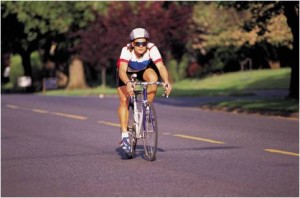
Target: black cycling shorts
139	75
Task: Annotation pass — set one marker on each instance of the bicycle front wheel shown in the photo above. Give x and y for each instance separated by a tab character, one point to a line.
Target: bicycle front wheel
150	134
132	130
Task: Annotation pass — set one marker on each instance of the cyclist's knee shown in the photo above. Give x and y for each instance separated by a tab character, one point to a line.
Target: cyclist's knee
152	78
122	96
150	75
123	101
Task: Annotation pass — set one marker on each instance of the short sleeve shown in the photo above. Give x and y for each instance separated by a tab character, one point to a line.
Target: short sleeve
124	57
155	54
125	54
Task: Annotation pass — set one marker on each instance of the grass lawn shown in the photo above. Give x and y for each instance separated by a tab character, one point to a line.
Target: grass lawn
82	92
235	83
230	84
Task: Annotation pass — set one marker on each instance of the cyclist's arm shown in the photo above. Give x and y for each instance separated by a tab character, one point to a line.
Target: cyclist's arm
123	76
163	71
122	72
164	75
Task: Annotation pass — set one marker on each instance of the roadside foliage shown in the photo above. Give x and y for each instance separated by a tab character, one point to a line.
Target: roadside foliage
196	39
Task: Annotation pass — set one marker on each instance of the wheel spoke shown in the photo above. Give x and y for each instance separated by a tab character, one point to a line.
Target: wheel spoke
131	129
150	134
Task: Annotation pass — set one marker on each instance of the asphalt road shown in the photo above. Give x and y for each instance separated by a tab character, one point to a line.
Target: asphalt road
68	146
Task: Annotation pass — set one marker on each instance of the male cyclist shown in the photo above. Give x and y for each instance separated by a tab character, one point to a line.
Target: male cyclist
140	57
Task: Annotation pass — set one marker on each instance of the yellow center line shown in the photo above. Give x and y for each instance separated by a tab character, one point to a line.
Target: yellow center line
109	123
69	115
177	135
12	106
45	111
282	152
118	125
40	111
199	139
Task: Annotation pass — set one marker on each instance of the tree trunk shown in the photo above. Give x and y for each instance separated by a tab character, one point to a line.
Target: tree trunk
76	75
103	76
26	63
292	16
62	79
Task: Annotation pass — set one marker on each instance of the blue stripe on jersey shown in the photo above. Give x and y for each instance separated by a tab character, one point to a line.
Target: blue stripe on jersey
138	65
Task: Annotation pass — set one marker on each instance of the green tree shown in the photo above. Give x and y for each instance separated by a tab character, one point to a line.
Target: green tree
218	26
262	14
226	26
26	25
101	43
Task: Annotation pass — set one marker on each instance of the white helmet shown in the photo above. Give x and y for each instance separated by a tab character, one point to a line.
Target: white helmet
139	33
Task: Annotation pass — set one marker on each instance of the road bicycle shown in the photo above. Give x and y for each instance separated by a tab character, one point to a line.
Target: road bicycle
142	121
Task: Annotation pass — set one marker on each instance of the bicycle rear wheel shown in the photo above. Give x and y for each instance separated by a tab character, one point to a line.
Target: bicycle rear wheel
132	130
150	134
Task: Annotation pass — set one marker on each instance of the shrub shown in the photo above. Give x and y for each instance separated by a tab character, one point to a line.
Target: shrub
16	70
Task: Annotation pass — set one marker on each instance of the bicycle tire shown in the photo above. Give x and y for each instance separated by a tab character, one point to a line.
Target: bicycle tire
150	134
132	131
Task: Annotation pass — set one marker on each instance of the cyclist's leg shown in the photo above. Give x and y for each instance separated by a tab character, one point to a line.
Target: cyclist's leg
123	116
123	108
150	76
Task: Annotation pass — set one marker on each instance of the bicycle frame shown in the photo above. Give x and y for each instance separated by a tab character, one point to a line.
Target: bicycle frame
136	114
141	124
143	120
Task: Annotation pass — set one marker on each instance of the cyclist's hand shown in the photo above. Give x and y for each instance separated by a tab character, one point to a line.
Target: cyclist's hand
168	88
129	88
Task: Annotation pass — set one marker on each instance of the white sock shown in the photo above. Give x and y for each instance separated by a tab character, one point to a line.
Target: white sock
124	135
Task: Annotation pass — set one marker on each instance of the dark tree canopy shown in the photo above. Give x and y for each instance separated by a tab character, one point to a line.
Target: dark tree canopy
105	37
262	12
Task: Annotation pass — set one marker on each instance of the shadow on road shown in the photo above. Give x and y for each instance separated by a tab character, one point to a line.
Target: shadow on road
139	152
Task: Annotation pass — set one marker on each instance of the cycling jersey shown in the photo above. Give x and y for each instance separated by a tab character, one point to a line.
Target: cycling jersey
136	64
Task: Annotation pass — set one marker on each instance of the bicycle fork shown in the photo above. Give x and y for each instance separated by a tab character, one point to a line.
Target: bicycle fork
137	118
140	116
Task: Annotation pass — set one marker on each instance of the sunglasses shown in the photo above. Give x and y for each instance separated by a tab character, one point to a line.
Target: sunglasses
138	44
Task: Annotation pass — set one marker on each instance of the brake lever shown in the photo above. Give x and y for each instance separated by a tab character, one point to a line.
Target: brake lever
133	76
164	94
